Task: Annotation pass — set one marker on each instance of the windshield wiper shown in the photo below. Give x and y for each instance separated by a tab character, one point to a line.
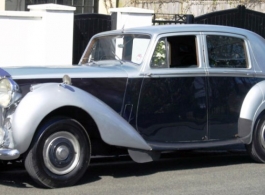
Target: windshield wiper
91	62
120	60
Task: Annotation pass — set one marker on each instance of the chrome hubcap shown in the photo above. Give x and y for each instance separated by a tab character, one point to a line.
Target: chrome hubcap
61	152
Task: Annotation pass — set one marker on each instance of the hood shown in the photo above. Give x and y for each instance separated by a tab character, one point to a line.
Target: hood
59	72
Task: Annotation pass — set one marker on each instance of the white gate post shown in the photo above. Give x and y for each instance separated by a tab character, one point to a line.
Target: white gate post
57	32
128	17
41	37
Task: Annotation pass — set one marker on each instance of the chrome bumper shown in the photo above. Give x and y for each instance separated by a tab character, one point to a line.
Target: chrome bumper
9	154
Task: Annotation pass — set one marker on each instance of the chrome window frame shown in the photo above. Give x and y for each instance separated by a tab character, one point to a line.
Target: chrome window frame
220	71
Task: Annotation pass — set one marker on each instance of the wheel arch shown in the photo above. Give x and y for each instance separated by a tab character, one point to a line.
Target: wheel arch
252	109
54	98
85	120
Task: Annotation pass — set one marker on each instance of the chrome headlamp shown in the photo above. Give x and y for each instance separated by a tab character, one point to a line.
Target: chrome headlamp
9	92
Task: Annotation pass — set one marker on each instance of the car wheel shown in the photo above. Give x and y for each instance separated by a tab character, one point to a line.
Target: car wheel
60	154
256	148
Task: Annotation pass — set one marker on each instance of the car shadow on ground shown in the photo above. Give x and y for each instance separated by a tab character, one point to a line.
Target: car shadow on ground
125	167
14	175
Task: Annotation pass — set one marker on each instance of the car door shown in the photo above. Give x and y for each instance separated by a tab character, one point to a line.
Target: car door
230	76
172	104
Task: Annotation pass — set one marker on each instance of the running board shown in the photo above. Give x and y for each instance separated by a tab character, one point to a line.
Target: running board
161	146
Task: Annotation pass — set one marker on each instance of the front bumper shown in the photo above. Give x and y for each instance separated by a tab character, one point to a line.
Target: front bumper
7	148
9	154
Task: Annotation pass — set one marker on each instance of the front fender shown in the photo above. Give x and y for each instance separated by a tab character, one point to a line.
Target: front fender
45	98
252	107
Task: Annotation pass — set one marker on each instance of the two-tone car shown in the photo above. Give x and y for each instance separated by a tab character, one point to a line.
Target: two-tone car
141	91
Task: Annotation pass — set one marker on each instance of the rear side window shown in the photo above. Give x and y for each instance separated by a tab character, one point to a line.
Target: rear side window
226	52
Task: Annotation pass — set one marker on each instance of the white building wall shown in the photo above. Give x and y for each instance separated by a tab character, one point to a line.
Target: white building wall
41	37
105	5
19	38
2	5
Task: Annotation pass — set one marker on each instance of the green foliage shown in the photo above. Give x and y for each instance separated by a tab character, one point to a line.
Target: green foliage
159	56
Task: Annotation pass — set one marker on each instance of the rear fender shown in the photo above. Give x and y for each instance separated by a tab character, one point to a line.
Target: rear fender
45	98
253	105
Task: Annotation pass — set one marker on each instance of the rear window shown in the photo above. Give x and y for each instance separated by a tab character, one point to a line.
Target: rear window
226	52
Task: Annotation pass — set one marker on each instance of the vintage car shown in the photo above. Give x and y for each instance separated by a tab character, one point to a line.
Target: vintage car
141	91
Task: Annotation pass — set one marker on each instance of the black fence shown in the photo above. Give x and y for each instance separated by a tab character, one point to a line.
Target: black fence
239	17
162	19
85	26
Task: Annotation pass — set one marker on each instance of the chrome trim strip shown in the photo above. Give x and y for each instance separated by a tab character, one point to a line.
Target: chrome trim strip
173	74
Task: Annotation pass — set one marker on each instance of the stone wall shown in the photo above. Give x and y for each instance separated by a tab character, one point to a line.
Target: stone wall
198	7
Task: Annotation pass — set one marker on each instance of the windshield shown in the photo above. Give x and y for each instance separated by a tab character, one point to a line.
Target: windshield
122	47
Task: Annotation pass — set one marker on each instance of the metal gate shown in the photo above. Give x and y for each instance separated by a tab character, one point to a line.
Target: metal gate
239	17
85	26
162	19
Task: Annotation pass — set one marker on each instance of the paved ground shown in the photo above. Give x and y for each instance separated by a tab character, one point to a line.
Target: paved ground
192	173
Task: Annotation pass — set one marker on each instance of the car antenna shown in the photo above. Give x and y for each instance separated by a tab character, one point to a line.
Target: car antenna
122	29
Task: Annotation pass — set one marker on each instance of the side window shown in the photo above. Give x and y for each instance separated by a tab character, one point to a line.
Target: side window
175	52
226	52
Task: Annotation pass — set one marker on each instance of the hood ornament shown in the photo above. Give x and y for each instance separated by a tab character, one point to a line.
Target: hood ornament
67	80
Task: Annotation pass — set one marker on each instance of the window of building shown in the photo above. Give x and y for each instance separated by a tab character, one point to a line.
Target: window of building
226	51
82	6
